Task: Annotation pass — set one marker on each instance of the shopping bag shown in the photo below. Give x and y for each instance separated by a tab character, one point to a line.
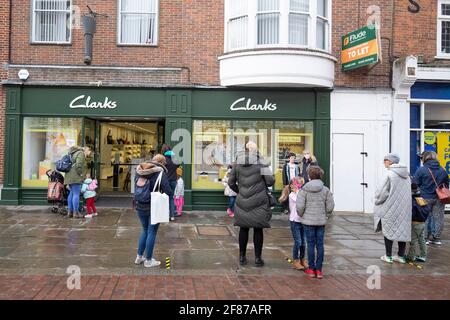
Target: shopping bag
54	191
159	208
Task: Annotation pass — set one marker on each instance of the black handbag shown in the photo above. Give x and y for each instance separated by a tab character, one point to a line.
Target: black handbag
272	200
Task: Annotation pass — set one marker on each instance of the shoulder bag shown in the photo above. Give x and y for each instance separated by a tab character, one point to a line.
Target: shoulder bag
442	190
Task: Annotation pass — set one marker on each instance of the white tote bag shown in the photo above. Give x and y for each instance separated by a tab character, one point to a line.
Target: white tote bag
159	209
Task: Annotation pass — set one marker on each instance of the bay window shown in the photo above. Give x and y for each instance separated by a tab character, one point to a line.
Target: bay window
51	21
278	23
138	22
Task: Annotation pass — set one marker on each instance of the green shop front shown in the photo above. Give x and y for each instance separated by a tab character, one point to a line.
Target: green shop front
124	126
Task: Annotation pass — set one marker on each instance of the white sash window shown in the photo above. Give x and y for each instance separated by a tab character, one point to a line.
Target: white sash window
51	21
238	24
443	28
138	22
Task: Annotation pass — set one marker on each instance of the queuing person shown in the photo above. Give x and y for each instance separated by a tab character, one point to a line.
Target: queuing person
74	179
315	204
171	167
393	210
427	178
420	211
179	192
250	178
146	176
229	193
308	160
290	193
290	171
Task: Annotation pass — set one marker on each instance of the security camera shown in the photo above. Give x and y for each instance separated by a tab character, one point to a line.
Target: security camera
23	74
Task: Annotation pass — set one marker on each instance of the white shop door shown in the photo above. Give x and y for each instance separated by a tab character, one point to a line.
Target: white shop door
348	172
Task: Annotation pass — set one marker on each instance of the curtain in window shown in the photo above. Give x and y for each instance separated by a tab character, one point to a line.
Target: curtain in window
138	21
268	22
298	22
237	24
52	20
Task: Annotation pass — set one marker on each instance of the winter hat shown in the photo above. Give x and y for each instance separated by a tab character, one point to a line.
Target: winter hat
394	158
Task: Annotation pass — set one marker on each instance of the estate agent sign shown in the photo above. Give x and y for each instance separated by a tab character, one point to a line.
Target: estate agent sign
360	48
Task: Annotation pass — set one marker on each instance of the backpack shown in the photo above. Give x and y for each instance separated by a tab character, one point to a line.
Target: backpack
64	164
142	190
93	185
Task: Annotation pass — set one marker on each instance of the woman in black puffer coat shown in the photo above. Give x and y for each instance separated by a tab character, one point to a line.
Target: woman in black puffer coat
249	178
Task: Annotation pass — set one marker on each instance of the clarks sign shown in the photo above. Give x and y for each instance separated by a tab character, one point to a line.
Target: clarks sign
244	104
84	102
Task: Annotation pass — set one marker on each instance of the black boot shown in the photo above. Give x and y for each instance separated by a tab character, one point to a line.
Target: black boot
242	259
259	262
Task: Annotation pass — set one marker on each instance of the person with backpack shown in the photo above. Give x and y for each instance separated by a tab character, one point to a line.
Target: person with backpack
74	164
147	174
428	178
88	191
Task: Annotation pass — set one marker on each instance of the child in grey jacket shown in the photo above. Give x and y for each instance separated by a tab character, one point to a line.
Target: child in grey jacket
314	205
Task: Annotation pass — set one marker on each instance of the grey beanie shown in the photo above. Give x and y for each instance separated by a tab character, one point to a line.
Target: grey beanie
394	158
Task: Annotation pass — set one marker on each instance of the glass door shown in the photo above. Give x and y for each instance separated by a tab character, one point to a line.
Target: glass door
90	139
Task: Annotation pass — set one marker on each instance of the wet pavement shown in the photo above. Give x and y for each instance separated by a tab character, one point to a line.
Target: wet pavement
36	244
34	241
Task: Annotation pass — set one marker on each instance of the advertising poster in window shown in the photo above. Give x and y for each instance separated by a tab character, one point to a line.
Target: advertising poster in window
443	150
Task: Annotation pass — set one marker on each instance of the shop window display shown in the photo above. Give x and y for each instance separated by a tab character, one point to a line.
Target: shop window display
216	144
46	140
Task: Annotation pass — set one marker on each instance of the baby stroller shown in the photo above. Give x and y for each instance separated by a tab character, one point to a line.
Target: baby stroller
57	193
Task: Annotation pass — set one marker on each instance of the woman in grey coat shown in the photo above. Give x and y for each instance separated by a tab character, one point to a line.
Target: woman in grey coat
393	208
248	179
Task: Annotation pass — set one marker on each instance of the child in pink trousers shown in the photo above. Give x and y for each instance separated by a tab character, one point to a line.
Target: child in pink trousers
179	192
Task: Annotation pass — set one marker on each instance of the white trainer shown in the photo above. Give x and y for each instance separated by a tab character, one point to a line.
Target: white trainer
95	214
151	263
89	216
139	260
399	259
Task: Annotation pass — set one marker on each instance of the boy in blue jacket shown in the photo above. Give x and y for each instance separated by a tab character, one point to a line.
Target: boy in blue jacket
421	209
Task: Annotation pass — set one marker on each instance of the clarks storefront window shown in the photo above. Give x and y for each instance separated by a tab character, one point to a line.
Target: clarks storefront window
46	140
217	142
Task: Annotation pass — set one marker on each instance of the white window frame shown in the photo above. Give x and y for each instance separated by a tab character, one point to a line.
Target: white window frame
441	18
284	11
33	25
119	27
280	27
228	18
295	12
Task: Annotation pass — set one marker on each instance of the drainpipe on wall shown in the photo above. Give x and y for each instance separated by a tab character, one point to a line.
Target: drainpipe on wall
89	26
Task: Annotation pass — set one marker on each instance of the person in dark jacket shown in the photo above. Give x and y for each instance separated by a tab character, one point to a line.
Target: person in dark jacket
420	212
248	179
171	175
424	180
148	173
290	171
308	160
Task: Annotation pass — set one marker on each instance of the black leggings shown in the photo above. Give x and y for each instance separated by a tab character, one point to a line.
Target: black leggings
258	239
401	247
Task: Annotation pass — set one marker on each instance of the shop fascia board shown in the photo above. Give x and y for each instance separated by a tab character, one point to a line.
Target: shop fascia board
433	73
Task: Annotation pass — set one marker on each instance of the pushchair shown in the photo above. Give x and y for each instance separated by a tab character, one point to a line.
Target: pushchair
57	193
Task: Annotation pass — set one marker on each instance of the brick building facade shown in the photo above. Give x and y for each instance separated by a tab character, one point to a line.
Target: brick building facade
191	41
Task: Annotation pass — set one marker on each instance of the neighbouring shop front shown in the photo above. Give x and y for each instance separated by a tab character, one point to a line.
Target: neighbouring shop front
430	122
123	126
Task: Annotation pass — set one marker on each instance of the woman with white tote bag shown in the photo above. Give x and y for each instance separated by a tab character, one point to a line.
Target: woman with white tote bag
152	192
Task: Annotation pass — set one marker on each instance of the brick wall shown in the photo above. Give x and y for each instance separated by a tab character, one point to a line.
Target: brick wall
187	39
4	44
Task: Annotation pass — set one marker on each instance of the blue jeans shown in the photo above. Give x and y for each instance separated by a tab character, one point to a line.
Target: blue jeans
173	185
73	201
314	238
148	236
298	233
231	203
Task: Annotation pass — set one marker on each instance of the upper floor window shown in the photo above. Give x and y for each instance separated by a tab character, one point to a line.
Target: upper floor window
138	22
51	21
443	28
277	23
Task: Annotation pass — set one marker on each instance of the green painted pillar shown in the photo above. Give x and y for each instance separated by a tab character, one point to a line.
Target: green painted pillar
13	154
179	116
322	139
